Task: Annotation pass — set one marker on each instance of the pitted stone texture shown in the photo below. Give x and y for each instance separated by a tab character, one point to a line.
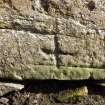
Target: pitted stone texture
40	37
27	48
87	12
39	24
21	50
85	52
70	27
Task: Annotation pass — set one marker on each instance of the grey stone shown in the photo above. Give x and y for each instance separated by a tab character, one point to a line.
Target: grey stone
6	88
52	39
85	52
4	101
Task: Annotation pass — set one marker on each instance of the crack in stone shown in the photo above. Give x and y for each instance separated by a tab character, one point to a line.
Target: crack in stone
4	62
56	52
18	27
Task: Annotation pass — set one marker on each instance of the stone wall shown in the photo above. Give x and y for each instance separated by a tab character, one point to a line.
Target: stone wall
44	41
52	39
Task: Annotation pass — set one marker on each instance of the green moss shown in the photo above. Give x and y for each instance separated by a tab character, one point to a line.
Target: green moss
3	24
51	72
98	74
72	95
75	73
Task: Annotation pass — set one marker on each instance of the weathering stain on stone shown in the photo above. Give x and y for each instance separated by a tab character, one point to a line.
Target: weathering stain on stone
52	39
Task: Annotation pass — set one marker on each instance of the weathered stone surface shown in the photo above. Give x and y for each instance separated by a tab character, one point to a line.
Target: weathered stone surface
4	101
65	97
23	50
26	47
6	88
52	39
85	52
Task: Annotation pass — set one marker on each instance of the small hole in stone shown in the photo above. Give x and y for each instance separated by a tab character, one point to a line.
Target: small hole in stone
33	8
91	5
45	4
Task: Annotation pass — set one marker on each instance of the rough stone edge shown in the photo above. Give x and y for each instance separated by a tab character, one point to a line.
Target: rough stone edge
52	72
12	85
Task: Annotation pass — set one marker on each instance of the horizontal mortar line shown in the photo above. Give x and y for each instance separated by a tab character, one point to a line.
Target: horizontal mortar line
65	18
50	65
38	32
67	53
52	34
82	67
62	66
85	37
33	31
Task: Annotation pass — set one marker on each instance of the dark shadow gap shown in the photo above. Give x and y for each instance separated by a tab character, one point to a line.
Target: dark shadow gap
56	86
91	5
56	52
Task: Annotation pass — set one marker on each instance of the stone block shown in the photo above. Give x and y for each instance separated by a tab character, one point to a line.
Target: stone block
85	52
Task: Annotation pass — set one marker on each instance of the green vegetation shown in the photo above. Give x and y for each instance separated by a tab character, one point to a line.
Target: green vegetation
3	24
73	95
